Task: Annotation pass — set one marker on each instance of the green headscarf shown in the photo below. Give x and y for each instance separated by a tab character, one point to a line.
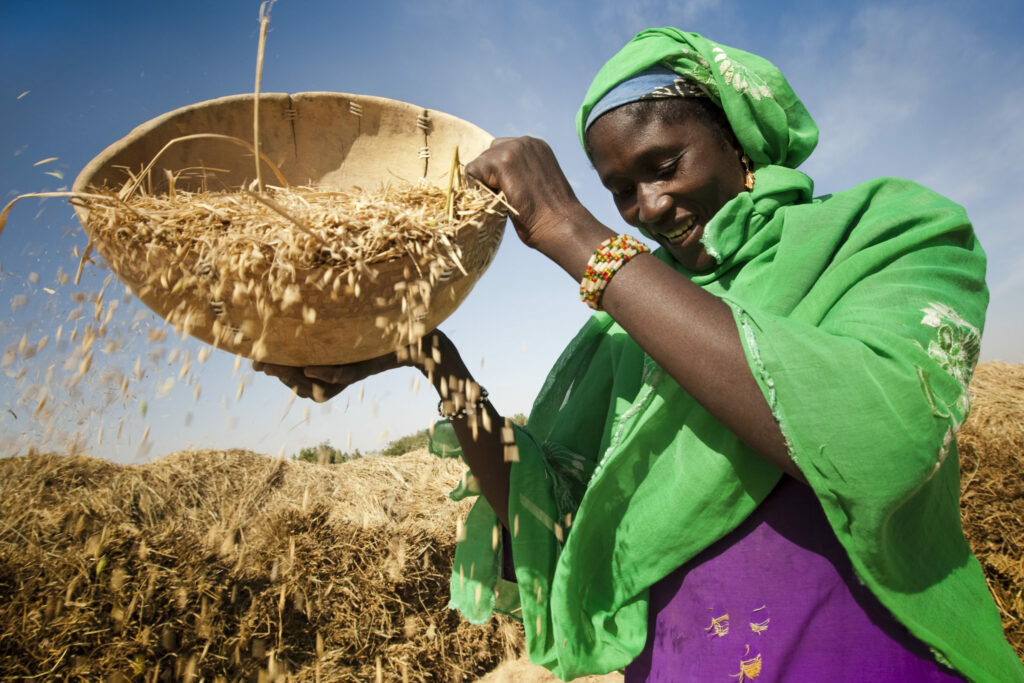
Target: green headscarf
770	122
860	314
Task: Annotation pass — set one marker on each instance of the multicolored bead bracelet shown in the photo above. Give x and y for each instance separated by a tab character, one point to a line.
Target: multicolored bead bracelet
613	253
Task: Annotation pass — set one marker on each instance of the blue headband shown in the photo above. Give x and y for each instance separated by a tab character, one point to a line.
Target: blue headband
655	82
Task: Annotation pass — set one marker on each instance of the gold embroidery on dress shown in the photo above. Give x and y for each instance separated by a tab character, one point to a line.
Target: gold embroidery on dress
759	627
749	668
720	625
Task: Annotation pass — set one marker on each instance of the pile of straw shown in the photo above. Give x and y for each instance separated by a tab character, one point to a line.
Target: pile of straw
251	238
236	267
290	249
228	564
992	487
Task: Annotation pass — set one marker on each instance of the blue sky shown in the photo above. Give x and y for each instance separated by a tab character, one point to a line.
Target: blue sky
931	91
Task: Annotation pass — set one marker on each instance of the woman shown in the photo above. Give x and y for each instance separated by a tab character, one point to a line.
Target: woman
744	465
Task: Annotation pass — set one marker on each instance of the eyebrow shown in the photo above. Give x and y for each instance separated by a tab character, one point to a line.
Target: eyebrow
656	151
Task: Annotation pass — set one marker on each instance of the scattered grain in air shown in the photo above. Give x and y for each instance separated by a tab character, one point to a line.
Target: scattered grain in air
56	174
188	419
241	388
49	291
33	278
348	442
238	364
203	355
45	161
18	301
196	392
361	390
231	422
143	407
165	388
22	94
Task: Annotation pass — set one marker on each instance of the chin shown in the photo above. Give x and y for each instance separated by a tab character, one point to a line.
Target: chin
701	262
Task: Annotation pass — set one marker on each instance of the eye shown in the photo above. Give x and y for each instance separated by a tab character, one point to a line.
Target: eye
667	169
623	193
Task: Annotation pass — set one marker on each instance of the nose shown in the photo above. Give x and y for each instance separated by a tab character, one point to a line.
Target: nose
651	203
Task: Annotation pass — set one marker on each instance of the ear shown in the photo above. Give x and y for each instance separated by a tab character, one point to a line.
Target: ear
748	171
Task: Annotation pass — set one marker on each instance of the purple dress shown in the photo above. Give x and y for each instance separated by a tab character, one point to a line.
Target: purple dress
776	600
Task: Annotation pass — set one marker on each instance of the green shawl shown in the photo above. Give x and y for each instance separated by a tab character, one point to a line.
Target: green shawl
860	313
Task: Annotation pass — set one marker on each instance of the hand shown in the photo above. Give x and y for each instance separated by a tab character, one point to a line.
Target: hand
323	382
526	170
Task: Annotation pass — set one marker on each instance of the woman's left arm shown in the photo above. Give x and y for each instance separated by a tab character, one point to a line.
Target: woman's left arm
690	333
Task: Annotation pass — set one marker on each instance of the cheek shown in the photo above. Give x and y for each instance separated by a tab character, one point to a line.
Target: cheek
626	209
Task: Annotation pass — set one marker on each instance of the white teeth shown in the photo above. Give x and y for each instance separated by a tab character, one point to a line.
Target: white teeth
686	227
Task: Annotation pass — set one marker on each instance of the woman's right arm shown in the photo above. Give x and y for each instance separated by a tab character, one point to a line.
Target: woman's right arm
479	428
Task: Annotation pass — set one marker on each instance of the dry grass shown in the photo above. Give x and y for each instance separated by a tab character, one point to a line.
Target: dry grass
992	487
214	564
240	260
289	248
230	565
272	237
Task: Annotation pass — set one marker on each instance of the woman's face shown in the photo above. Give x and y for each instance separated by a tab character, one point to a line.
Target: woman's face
668	178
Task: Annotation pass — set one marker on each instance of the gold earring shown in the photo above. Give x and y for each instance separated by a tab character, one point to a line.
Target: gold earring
749	177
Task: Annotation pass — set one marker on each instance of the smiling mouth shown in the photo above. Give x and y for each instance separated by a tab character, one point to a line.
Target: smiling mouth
681	232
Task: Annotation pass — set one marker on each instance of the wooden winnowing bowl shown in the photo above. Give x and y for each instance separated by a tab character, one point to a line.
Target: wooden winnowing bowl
333	141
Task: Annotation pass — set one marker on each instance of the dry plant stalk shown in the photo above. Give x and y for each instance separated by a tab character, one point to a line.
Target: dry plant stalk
991	448
227	565
268	251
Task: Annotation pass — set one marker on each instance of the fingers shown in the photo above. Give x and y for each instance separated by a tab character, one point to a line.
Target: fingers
322	382
296	380
489	166
332	374
481	170
350	373
282	372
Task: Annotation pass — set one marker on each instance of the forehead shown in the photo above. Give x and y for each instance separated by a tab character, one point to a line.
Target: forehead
628	135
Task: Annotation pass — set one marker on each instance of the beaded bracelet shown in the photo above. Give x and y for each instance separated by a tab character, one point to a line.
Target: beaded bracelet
613	253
